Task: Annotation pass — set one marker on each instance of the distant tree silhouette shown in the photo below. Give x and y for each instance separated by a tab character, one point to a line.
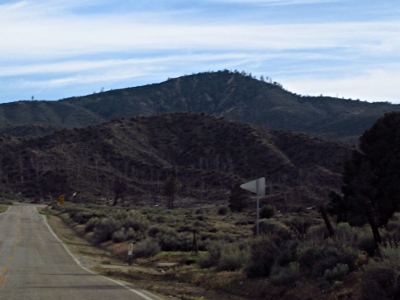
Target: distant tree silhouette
170	189
237	199
371	191
119	189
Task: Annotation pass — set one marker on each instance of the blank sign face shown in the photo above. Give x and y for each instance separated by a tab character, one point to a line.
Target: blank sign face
252	186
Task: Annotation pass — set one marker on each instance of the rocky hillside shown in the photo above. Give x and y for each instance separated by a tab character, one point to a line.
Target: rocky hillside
207	154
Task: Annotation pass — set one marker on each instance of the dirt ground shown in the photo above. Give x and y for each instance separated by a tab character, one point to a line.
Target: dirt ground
153	278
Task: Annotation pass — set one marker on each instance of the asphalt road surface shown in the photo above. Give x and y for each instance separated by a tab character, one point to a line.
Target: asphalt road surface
35	265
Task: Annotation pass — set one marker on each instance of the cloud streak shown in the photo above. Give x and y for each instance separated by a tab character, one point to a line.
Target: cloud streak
72	43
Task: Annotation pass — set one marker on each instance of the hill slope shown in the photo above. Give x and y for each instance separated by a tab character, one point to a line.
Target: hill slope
227	94
208	155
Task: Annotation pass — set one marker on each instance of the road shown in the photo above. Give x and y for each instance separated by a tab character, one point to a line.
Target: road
34	265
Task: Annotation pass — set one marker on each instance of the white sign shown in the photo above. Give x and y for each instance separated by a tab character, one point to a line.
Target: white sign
130	249
252	186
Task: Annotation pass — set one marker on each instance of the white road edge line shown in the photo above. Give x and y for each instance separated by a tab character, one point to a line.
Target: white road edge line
8	210
90	271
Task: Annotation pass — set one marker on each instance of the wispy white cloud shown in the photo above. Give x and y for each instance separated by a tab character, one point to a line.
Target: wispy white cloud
57	43
50	31
67	37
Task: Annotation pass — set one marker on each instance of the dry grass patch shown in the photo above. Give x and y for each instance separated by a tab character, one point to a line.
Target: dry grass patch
3	208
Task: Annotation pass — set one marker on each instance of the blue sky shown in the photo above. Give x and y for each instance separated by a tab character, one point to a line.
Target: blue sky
53	49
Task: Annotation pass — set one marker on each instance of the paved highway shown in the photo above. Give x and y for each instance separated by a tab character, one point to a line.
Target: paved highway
35	265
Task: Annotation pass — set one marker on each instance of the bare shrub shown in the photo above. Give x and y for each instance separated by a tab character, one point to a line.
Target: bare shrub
146	248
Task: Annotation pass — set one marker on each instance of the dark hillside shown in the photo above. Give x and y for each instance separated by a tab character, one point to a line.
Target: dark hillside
232	95
208	155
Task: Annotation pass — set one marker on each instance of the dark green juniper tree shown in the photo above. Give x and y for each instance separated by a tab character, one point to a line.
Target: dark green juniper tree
372	176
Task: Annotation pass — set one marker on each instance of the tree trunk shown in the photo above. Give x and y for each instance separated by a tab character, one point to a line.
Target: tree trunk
327	221
373	222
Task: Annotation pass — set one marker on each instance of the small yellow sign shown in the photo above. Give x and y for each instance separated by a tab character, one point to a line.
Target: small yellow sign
61	200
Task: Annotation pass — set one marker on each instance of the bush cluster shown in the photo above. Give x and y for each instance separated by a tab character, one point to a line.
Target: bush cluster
267	211
381	277
285	251
223	256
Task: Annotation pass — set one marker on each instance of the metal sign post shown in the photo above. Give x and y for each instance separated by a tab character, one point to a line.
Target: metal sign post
258	208
256	186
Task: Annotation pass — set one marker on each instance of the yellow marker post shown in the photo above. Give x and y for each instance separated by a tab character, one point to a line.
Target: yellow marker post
61	200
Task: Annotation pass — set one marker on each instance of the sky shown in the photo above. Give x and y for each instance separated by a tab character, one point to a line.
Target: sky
54	49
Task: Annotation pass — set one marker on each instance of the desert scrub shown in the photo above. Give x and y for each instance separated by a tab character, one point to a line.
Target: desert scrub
287	275
146	248
222	210
263	253
381	276
91	224
269	252
326	256
299	225
137	222
80	214
105	229
119	236
169	239
267	211
273	227
337	273
223	256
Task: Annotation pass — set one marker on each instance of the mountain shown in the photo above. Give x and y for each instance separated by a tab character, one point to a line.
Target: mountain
207	154
232	95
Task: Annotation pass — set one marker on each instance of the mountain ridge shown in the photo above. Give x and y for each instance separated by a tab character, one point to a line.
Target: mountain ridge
231	95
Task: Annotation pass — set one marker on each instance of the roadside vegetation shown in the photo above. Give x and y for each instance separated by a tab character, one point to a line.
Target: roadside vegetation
299	254
4	204
3	208
293	258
